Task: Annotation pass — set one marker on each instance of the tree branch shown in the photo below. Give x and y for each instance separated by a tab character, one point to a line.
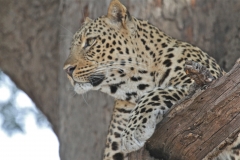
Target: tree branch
200	126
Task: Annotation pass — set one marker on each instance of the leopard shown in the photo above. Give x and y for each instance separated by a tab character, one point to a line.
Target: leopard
141	67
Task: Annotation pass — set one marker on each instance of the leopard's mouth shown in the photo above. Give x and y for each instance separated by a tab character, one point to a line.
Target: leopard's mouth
94	81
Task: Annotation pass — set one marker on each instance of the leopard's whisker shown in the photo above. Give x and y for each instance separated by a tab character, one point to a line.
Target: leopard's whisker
126	65
120	63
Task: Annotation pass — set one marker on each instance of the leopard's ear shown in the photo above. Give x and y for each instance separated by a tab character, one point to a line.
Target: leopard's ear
117	13
87	20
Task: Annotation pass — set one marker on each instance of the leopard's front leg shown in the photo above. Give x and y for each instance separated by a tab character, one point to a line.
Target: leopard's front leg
147	113
121	112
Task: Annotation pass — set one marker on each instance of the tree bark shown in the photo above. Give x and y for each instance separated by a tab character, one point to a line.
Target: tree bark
199	124
34	41
29	51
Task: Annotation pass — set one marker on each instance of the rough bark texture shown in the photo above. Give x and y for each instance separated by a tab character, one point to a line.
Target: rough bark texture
34	41
203	122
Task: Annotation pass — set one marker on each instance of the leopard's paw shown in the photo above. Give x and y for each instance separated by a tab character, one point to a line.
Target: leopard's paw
137	132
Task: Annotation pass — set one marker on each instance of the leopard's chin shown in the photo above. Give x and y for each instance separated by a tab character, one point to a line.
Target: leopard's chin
81	88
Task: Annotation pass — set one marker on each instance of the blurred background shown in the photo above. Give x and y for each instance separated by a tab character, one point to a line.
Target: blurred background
38	107
25	132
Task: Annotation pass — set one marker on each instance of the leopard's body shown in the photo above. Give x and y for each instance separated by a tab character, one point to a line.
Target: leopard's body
137	64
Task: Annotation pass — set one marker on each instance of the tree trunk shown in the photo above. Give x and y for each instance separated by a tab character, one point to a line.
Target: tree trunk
34	41
199	124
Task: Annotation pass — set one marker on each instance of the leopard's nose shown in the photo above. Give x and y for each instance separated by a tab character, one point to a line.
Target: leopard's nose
70	70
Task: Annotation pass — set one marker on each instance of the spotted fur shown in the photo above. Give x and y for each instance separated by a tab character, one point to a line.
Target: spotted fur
138	65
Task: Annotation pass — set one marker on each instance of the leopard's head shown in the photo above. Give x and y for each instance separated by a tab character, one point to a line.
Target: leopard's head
102	50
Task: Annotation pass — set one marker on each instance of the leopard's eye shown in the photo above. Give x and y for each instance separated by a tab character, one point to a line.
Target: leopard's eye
89	42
